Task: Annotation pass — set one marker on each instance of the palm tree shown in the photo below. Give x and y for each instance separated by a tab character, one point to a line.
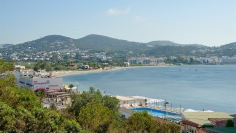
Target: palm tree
71	86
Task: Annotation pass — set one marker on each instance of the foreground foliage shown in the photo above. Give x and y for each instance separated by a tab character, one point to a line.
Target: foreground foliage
95	117
142	122
95	112
21	111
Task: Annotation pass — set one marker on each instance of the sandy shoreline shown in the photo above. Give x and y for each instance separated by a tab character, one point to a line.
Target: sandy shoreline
66	73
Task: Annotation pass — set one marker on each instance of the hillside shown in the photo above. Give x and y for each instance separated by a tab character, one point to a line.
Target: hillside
228	46
47	43
5	45
169	43
98	43
164	43
95	42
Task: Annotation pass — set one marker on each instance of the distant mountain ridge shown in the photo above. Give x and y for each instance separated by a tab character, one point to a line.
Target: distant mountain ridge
94	42
169	43
229	45
5	45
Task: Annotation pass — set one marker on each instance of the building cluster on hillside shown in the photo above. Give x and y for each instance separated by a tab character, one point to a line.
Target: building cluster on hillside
77	54
59	55
43	55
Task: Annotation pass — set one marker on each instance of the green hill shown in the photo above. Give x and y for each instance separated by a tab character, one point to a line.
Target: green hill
229	45
98	43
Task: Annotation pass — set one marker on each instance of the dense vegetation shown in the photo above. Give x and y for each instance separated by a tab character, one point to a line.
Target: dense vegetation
6	66
21	111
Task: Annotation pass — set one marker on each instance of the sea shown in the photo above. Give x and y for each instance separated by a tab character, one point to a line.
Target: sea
197	87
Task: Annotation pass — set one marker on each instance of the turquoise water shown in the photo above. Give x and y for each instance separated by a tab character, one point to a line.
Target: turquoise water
159	113
208	87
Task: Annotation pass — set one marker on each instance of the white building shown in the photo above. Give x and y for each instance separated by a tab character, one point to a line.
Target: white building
228	60
34	80
20	67
145	60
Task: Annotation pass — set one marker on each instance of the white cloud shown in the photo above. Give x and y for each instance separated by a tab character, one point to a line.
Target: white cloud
140	19
114	11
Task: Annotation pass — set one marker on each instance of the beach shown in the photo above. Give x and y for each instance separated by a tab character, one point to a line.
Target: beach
72	72
66	73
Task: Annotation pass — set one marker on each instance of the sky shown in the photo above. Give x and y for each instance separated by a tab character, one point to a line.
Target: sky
207	22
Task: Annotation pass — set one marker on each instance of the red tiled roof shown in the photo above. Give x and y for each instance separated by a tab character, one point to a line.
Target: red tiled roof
220	122
208	131
190	123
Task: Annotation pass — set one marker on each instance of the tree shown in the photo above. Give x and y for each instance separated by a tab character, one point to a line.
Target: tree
53	106
40	65
143	122
111	102
78	101
22	111
8	80
229	123
6	66
71	86
139	122
41	93
95	117
95	96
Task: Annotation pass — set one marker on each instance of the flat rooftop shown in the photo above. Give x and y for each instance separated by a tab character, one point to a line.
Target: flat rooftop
201	118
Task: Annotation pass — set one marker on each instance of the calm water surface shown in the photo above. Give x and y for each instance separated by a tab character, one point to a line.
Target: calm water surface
210	87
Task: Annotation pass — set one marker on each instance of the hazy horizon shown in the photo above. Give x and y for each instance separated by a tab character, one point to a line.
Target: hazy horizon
113	38
210	23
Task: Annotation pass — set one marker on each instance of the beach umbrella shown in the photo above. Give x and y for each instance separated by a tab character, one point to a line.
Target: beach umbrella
190	110
208	111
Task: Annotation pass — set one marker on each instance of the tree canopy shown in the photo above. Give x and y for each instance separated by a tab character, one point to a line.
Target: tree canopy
21	111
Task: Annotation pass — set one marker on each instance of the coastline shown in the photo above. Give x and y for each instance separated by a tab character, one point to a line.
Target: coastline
73	72
66	73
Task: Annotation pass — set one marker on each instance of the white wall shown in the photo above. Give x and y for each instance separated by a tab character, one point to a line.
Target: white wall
50	83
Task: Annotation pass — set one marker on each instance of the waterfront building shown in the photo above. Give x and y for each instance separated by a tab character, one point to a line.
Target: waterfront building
127	63
228	60
34	80
145	60
85	66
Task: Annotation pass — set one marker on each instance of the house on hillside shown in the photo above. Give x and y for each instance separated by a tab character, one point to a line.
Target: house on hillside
85	66
206	122
19	67
71	65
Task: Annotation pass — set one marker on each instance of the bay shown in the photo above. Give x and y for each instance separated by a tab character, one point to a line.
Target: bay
208	87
